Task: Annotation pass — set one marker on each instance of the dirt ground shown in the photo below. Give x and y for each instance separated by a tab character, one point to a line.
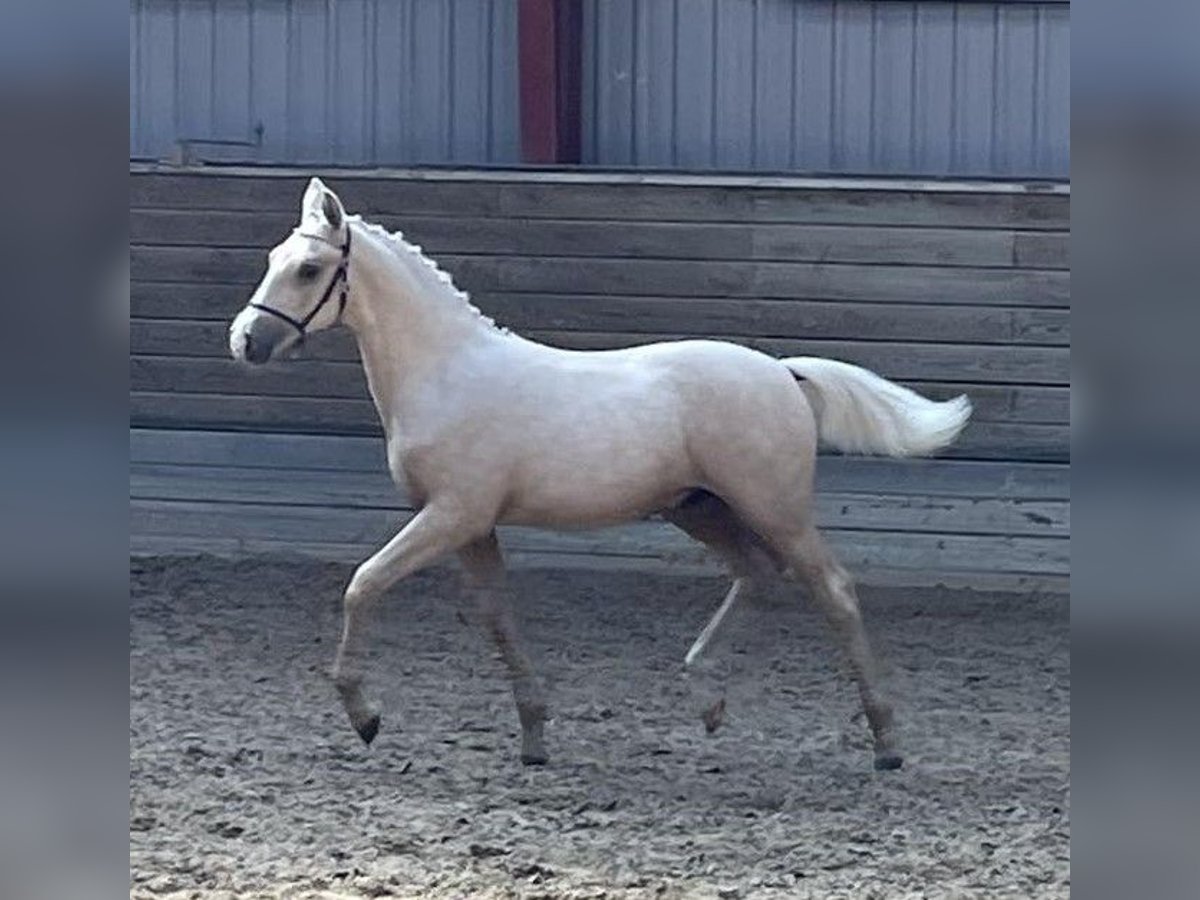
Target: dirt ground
247	781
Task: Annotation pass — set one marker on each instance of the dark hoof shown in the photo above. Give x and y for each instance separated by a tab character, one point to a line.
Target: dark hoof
887	762
533	759
368	729
714	716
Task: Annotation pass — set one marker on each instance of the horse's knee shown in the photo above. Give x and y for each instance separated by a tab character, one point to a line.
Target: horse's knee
833	588
841	605
360	590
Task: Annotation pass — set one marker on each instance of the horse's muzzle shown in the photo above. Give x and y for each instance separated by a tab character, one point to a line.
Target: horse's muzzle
256	351
259	338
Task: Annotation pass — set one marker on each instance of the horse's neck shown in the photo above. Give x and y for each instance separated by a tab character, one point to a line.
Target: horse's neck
408	320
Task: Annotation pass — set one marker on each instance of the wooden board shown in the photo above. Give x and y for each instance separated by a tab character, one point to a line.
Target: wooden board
323	378
696	201
665	277
372	528
375	490
159	545
317	415
638	314
447	235
851	474
898	360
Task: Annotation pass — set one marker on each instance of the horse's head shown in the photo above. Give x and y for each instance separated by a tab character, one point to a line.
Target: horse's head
304	289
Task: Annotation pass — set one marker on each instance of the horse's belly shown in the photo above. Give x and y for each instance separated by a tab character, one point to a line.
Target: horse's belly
590	502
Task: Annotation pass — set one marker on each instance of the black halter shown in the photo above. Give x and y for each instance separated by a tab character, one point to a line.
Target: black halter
341	275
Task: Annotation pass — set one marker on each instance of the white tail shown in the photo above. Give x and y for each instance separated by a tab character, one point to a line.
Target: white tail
860	412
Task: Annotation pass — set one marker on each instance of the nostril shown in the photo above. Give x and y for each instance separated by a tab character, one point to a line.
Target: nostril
256	351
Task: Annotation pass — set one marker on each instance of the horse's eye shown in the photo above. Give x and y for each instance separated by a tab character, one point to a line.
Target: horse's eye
308	271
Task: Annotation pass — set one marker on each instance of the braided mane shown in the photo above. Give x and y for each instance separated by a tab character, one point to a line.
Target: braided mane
425	268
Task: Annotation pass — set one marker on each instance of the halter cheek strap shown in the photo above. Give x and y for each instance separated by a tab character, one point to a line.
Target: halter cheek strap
341	276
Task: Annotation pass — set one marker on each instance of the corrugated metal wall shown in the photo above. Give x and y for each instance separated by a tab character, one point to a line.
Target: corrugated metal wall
822	87
355	82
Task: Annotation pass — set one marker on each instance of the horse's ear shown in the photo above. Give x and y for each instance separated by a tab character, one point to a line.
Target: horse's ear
322	203
331	208
311	204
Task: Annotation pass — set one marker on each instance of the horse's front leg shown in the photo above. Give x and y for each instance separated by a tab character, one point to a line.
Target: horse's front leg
484	567
432	533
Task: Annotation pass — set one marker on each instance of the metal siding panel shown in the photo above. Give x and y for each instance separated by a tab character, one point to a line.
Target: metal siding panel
693	88
892	122
1055	99
349	84
775	62
813	111
654	65
933	120
135	78
194	70
391	66
428	87
733	109
231	74
613	66
308	130
342	81
1014	133
469	88
505	135
160	112
974	96
269	89
589	92
853	88
920	88
370	50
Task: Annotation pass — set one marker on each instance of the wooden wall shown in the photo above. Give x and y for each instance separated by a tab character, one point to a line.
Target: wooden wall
944	287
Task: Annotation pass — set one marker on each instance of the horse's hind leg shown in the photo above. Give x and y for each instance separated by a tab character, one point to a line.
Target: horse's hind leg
708	519
484	567
833	590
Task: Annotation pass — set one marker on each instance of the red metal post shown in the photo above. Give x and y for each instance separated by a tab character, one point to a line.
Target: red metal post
549	35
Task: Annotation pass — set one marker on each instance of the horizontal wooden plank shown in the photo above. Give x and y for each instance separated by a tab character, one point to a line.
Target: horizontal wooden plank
943	477
157	545
322	453
173	545
818	203
670	278
905	361
252	449
321	378
371	528
1045	249
620	238
754	317
310	415
644	177
315	415
375	490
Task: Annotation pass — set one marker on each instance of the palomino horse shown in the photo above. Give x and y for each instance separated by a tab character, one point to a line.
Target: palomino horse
485	428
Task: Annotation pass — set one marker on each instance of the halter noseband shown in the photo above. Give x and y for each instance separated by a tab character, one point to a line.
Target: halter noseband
341	275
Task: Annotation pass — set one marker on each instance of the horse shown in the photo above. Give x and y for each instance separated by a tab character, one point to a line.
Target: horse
484	427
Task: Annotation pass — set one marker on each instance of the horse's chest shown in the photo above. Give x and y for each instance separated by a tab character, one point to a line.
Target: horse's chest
418	467
404	466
